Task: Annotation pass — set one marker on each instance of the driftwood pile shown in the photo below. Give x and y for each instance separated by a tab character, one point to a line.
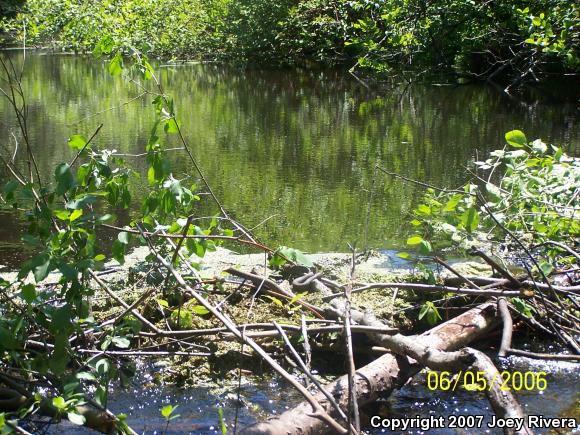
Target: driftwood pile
335	407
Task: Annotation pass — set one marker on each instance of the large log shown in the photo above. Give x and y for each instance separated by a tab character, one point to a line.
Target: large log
382	376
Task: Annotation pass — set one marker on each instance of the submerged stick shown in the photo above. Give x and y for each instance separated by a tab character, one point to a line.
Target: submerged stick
434	289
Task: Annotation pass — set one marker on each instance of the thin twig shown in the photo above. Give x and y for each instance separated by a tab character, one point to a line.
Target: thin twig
456	273
73	161
543	356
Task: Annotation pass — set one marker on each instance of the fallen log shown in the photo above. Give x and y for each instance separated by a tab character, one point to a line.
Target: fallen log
429	288
526	283
381	376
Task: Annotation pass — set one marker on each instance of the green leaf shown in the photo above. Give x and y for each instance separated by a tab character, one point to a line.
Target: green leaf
42	269
106	218
80	201
101	396
296	298
123	237
423	311
147	70
195	246
116	64
104	46
11	186
163	303
171	126
63	215
433	315
522	307
425	247
295	256
31	240
540	227
29	293
423	210
494	192
403	255
547	268
118	251
103	366
59	403
414	240
121	342
77	142
64	178
68	271
452	203
276	261
86	376
199	310
75	418
430	312
470	219
516	138
7	340
276	301
151	175
76	214
168	410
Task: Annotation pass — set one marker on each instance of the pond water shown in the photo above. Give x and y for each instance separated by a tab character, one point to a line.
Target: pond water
296	146
260	399
300	147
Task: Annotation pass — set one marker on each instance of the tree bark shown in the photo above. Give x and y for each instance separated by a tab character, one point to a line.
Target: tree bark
381	376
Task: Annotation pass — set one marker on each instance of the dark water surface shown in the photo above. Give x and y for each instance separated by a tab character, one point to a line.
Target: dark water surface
297	145
264	398
259	400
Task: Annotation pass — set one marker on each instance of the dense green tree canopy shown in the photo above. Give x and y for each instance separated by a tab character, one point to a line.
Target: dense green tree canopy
517	40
